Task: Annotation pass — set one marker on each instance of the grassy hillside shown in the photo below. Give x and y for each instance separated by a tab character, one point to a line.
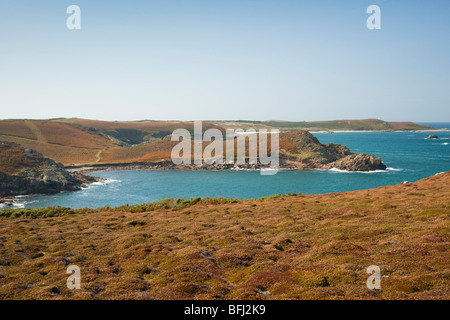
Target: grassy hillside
85	142
134	132
13	158
82	142
281	247
61	142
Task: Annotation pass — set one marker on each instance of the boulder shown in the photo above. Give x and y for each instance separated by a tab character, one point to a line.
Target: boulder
432	136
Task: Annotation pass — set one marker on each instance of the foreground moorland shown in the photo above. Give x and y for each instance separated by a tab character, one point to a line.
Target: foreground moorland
281	247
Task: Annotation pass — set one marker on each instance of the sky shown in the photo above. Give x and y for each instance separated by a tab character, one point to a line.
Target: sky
225	60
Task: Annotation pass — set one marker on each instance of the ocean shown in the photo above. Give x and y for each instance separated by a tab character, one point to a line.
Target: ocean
437	125
408	155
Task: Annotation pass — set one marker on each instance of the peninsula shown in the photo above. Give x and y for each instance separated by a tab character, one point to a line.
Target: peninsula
79	142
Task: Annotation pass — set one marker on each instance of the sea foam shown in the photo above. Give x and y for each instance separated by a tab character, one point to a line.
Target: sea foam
101	183
388	169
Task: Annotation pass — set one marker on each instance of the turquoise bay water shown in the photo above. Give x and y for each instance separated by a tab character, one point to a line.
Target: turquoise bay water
408	155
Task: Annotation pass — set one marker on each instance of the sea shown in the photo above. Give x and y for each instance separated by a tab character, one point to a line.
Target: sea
409	156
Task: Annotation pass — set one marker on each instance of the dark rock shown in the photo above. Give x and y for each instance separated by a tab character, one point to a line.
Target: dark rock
66	261
56	290
33	173
98	288
359	162
4	263
433	136
303	150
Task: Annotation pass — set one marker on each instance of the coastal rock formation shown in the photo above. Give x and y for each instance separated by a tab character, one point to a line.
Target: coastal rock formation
433	136
301	149
25	171
359	162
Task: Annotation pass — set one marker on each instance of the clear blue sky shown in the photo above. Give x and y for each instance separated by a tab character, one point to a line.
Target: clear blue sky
225	59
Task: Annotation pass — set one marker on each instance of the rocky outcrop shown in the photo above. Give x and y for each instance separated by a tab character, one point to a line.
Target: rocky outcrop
300	149
358	162
433	136
25	171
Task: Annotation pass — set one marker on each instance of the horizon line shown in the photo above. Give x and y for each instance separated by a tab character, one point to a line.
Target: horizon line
216	120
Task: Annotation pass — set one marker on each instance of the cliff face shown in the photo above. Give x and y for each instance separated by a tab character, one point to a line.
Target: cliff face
25	171
300	149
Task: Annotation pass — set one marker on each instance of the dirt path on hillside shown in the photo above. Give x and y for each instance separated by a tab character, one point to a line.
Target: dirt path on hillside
36	131
98	155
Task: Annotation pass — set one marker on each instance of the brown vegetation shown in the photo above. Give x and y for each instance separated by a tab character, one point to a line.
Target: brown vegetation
83	142
13	158
79	142
280	247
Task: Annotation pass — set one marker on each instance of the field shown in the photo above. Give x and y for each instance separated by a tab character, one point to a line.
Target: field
280	247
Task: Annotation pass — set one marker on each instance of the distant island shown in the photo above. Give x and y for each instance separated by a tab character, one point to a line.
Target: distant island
334	125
